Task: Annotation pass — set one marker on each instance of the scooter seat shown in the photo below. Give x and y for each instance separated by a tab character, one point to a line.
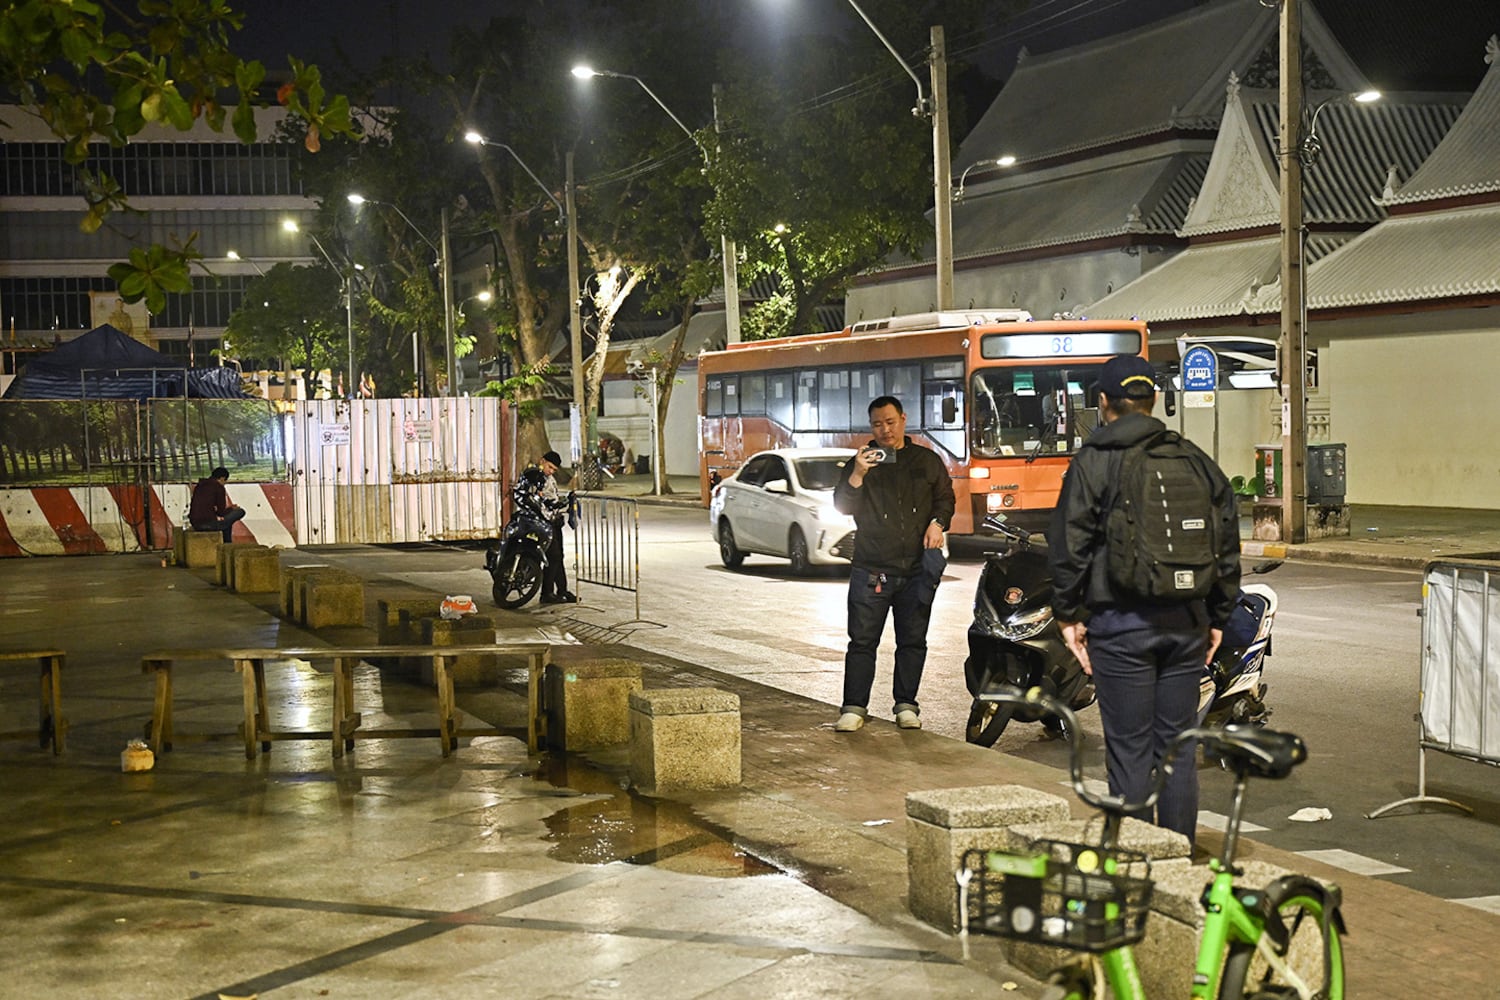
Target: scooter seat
1253	750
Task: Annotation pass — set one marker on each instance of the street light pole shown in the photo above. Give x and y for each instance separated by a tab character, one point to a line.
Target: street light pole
575	318
942	167
291	226
726	244
445	272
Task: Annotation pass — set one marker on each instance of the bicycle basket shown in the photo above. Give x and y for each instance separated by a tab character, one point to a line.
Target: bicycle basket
1075	896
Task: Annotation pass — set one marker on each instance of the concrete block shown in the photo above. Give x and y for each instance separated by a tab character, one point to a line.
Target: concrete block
684	739
1156	843
943	823
397	621
257	570
200	549
588	702
468	669
291	586
332	600
224	563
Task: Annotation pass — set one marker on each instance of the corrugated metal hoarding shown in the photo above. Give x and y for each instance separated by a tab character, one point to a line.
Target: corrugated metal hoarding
397	470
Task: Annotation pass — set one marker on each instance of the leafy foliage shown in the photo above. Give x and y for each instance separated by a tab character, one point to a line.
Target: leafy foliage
97	73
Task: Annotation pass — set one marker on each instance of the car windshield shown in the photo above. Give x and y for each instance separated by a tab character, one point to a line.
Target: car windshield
820	473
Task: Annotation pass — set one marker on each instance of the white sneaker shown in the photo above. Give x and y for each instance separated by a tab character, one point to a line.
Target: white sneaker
907	719
849	722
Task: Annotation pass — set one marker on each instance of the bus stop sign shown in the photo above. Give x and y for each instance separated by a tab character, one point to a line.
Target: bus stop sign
1200	376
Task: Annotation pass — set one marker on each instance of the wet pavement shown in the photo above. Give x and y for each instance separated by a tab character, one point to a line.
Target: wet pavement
397	872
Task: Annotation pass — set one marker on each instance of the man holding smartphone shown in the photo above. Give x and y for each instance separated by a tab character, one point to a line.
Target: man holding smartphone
901	498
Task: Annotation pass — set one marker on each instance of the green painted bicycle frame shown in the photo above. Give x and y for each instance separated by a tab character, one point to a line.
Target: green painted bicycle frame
1224	919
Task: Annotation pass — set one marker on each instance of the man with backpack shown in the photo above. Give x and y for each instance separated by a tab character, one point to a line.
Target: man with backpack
1145	556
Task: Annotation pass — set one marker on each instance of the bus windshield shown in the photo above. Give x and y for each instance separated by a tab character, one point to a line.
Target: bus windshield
1032	411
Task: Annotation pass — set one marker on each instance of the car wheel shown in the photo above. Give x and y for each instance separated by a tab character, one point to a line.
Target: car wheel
729	553
796	550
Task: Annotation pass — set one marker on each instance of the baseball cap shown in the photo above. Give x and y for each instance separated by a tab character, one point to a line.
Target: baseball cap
1127	375
552	456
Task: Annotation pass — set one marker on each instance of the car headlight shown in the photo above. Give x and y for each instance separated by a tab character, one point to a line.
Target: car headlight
828	512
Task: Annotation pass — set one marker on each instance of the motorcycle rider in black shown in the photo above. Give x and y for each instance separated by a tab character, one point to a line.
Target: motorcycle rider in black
555	580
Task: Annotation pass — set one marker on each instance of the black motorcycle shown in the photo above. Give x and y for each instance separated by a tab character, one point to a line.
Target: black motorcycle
1014	640
518	564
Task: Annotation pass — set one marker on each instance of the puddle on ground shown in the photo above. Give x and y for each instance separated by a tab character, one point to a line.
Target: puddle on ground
620	826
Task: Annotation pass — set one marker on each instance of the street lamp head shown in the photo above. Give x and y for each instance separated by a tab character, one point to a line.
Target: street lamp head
1311	146
232	255
1366	97
290	225
473	137
356	198
1006	160
485	295
583	72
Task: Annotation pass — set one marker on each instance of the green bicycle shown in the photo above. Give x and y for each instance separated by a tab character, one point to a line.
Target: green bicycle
1272	943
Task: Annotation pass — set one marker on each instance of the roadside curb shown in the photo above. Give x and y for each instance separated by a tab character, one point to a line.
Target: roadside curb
1314	553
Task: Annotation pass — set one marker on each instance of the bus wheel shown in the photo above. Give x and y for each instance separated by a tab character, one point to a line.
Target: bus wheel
731	556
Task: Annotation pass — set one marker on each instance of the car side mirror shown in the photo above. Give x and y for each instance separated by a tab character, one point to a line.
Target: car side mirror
777	486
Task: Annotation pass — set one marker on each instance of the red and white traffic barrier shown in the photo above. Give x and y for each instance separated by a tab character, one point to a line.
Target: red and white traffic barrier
89	520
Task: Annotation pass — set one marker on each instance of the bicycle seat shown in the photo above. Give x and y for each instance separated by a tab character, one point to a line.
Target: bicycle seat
1252	750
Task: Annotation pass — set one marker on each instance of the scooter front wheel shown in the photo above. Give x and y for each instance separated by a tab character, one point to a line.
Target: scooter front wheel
987	720
519	582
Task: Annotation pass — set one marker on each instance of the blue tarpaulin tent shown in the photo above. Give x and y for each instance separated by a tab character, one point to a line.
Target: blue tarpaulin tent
106	364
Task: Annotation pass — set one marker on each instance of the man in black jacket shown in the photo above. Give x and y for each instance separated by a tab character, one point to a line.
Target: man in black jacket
901	499
1146	659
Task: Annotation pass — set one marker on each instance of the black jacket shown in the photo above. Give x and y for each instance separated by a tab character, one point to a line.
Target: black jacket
893	508
1080	580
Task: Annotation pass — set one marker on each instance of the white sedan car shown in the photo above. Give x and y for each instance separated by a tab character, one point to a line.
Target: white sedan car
780	503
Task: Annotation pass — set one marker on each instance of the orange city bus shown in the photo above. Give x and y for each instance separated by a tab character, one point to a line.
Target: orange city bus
1005	400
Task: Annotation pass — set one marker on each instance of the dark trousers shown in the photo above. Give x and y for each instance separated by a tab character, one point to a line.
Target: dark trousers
908	600
1147	683
223	524
555	578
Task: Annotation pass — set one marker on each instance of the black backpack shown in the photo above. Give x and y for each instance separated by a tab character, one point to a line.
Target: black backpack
1162	532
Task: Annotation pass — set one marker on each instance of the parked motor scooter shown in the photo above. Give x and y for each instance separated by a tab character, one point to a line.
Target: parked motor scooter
518	564
1015	640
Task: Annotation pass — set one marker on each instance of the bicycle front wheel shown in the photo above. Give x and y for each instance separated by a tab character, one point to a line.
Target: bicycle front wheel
1311	964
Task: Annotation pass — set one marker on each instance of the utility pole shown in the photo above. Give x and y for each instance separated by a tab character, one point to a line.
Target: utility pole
731	256
1293	346
942	170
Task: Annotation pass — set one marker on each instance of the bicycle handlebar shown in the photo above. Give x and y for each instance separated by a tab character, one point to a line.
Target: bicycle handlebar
1110	804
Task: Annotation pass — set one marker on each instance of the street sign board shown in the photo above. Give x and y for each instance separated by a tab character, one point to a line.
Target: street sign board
1200	376
1200	369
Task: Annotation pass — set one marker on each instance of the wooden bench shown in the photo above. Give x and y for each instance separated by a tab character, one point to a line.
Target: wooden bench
345	724
51	726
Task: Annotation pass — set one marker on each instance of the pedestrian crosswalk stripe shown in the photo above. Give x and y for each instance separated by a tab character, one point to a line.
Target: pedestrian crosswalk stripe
1351	862
1220	822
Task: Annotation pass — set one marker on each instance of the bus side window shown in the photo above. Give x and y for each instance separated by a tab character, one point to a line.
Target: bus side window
779	403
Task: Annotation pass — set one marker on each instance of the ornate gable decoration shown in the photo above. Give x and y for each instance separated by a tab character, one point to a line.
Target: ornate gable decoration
1240	190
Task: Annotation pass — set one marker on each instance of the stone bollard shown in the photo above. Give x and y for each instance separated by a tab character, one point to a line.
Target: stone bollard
588	703
398	620
291	588
224	562
257	570
332	599
196	549
684	739
943	823
467	669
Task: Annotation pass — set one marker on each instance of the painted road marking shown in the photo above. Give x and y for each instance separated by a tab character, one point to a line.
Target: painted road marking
1356	863
1220	822
1489	904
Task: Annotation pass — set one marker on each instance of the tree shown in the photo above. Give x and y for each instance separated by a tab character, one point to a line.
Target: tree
96	74
291	314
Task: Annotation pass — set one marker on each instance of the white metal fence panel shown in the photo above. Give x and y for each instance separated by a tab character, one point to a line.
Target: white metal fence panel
396	470
1459	700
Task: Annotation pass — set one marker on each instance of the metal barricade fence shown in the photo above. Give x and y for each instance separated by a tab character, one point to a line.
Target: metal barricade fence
1459	698
607	553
